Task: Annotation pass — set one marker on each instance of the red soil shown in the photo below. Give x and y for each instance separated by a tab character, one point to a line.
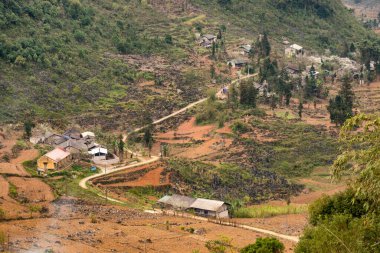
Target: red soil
151	178
33	189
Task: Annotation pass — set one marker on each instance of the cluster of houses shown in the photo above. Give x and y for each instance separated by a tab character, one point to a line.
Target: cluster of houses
201	207
69	146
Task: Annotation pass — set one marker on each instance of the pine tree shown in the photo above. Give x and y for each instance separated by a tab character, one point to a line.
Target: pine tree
121	145
300	109
340	108
233	97
265	46
212	71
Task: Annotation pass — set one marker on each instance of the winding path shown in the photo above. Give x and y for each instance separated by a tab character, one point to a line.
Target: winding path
83	182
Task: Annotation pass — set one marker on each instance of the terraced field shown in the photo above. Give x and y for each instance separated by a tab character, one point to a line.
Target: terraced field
368	97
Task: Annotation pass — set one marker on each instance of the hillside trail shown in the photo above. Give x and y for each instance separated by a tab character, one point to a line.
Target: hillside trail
153	159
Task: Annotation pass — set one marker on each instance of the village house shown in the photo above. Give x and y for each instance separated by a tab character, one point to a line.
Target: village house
294	51
246	49
210	208
237	63
201	207
73	134
54	160
54	139
206	40
177	202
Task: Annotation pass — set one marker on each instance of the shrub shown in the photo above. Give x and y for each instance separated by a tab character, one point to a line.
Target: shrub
264	245
2	214
342	203
342	233
80	36
239	127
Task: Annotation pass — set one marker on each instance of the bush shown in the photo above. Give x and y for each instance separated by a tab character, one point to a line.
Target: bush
2	214
80	36
264	245
342	203
239	127
342	234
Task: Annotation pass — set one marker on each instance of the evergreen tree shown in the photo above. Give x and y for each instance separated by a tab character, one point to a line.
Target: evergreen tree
28	126
148	138
300	109
233	97
212	71
265	46
121	146
248	94
340	108
213	50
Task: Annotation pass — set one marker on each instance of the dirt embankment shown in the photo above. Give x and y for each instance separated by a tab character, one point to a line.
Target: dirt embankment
18	191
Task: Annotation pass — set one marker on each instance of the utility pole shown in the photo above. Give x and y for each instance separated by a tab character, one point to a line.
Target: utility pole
106	195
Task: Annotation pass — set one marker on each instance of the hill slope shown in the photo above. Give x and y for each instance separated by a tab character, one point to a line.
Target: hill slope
91	60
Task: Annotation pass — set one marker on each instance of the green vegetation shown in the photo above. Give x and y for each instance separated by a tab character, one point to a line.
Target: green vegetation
340	108
227	182
350	221
267	211
264	245
2	214
315	24
13	193
66	182
312	147
222	245
360	138
63	54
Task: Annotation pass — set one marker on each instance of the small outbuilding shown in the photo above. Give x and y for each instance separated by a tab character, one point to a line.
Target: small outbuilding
237	63
294	50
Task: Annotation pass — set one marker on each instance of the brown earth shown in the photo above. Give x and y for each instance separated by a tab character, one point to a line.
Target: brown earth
33	189
29	190
118	229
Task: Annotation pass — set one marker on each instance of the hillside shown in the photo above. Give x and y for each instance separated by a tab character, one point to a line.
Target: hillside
317	25
100	62
364	9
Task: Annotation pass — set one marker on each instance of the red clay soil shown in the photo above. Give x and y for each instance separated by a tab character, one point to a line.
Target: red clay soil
32	189
4	188
188	130
151	178
15	165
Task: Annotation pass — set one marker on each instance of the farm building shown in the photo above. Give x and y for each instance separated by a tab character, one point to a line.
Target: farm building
202	207
212	208
176	201
54	160
246	49
294	50
207	40
73	134
237	63
54	139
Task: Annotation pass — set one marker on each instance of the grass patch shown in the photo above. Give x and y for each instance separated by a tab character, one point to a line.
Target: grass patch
13	191
267	211
66	182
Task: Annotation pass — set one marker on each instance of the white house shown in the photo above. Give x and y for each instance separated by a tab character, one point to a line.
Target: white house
294	50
